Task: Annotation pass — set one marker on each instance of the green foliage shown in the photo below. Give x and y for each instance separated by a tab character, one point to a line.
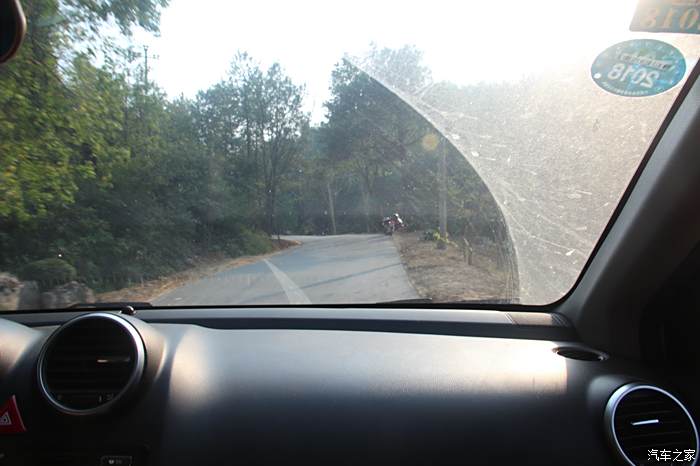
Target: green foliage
431	235
48	272
254	243
254	121
441	242
103	170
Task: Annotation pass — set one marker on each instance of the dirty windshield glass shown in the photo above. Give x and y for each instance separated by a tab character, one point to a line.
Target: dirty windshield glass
272	152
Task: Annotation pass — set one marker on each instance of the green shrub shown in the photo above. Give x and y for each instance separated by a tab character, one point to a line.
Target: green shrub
253	242
48	272
233	249
442	242
431	235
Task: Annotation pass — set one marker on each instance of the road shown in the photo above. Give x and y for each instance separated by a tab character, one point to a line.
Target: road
323	270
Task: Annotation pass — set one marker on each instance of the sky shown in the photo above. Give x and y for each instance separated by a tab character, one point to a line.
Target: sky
464	42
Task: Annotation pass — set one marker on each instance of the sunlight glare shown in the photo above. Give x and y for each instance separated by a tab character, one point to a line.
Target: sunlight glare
463	42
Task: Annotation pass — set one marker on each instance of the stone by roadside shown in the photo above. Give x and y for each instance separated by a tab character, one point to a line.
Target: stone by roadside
10	288
67	295
18	295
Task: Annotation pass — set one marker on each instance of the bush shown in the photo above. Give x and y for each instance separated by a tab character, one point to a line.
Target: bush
442	242
253	242
48	272
246	242
431	235
233	249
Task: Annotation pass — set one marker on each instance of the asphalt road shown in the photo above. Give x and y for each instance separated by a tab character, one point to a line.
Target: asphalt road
323	270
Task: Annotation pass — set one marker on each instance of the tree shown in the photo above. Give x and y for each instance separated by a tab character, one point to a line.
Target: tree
255	118
99	168
47	141
369	126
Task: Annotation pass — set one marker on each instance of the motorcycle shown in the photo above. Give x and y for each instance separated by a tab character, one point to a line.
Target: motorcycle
392	223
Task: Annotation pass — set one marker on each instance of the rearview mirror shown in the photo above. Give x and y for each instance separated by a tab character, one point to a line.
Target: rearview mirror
13	25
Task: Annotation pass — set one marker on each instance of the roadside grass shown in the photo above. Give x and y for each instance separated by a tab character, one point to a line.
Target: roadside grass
443	274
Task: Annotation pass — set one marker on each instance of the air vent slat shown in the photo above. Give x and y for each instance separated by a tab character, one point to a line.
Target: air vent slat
90	362
656	436
640	418
647	413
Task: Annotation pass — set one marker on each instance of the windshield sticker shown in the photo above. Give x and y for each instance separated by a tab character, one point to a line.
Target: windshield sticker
638	68
667	16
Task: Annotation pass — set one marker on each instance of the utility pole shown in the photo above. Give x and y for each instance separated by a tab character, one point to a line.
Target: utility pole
331	206
442	180
145	66
130	57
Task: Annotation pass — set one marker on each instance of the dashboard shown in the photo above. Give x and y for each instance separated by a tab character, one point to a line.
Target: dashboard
323	386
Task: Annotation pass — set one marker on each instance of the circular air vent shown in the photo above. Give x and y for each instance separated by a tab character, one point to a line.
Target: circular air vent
649	425
90	363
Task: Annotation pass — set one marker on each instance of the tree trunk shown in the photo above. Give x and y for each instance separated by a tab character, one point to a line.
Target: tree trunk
331	207
442	181
365	201
270	226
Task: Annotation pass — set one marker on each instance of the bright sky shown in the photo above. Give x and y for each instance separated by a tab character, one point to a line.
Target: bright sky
463	41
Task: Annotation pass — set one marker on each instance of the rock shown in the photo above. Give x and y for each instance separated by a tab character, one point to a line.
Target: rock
67	295
29	296
10	288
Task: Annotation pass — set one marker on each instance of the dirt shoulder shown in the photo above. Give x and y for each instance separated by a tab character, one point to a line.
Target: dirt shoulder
444	275
203	267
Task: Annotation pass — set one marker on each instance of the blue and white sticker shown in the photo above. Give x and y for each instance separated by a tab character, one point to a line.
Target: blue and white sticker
638	68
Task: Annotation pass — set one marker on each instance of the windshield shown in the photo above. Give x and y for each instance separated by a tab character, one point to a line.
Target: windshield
229	153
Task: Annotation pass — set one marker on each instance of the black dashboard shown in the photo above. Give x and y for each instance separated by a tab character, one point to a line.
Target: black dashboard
271	386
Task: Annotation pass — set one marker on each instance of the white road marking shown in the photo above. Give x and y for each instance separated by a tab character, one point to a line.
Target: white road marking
293	292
